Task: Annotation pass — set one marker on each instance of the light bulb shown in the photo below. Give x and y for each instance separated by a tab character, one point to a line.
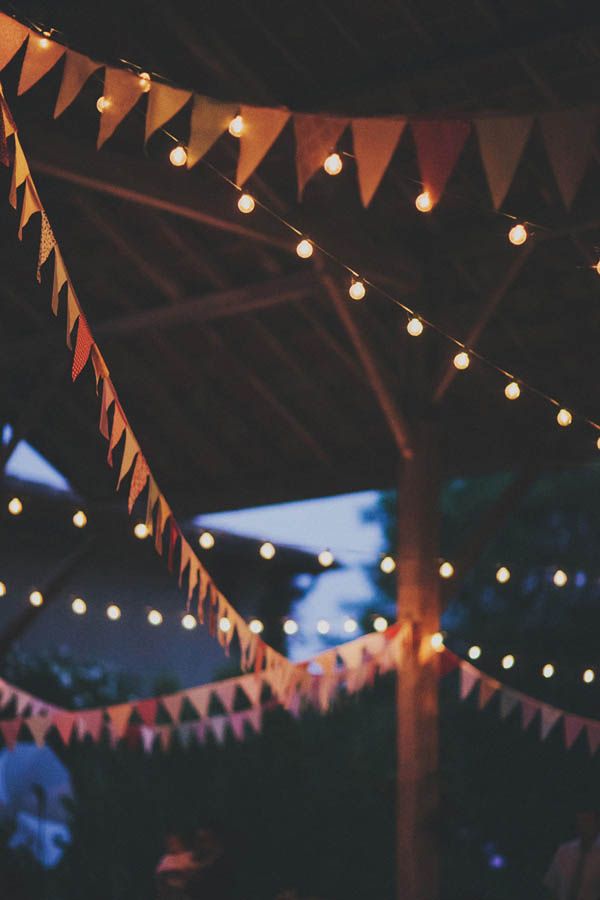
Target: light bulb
437	641
267	550
560	578
36	598
387	565
15	507
145	81
323	626
588	676
80	519
414	327
380	624
206	540
508	661
178	156
304	249
155	617
548	670
79	606
113	612
325	558
474	652
224	624
424	202
189	622
517	235
357	290
461	360
598	443
246	203
502	575
2	589
512	391
256	626
44	42
236	126
141	531
333	164
350	626
564	418
102	104
446	570
597	267
290	627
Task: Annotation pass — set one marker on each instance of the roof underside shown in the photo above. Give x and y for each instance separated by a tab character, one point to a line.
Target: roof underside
232	363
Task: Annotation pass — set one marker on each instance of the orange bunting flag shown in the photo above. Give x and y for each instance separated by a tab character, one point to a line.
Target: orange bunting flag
91	722
262	127
132	448
487	688
41	55
64	723
100	367
374	143
122	90
38	728
185	558
164	103
118	427
226	692
83	346
19	174
210	119
119	718
173	705
438	147
199	697
252	687
151	503
76	72
138	480
162	516
502	141
73	312
12	37
316	137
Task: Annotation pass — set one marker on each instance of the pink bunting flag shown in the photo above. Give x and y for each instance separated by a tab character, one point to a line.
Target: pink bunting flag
529	708
262	127
593	735
254	718
148	736
487	689
77	70
252	687
122	90
41	55
91	722
226	692
237	722
10	731
469	676
573	727
218	725
199	697
316	138
64	722
549	718
439	144
374	143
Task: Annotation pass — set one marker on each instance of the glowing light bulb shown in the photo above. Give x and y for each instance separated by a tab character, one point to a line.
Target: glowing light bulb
102	104
189	622
414	327
350	626
80	519
462	360
560	578
246	204
155	617
113	612
437	641
508	661
564	418
15	507
178	156
256	626
503	575
267	550
357	290
333	165
290	627
598	443
588	676
36	598
446	570
145	81
323	626
236	126
512	391
2	589
380	624
474	652
325	558
44	42
518	235
79	606
304	249
424	202
224	624
206	540
548	670
597	268
141	531
387	565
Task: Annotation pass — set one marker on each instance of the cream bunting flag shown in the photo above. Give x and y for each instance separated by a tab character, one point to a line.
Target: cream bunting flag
316	138
502	141
164	102
469	676
77	70
569	138
374	143
262	127
130	451
122	90
20	172
549	718
210	119
41	55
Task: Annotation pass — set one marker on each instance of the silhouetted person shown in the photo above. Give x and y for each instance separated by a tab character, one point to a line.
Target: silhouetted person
175	869
574	873
213	878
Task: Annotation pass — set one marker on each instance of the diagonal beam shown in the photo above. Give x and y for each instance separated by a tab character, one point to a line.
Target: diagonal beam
394	417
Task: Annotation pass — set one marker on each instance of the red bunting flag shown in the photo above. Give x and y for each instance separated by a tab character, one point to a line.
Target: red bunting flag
439	144
573	727
147	710
10	731
83	346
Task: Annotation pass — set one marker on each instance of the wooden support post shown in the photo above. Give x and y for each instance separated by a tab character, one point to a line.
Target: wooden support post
418	605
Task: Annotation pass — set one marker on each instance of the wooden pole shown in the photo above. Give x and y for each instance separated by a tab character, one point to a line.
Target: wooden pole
418	605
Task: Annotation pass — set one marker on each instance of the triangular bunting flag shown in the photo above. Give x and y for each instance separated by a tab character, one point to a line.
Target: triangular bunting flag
76	72
147	710
60	279
593	733
199	697
173	705
529	708
164	102
73	312
252	687
151	502
262	127
165	733
439	144
122	90
91	722
210	119
226	692
64	723
119	718
47	244
508	701
130	451
237	722
10	731
22	701
148	736
487	688
469	676
38	727
501	143
351	654
12	36
138	480
20	172
573	727
217	725
83	346
569	138
118	427
550	717
108	396
254	718
374	143
41	55
316	137
31	205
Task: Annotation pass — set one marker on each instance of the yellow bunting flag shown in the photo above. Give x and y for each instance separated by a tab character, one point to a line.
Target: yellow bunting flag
41	55
118	427
132	448
210	119
164	103
31	205
122	90
20	172
77	70
262	126
60	279
374	143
